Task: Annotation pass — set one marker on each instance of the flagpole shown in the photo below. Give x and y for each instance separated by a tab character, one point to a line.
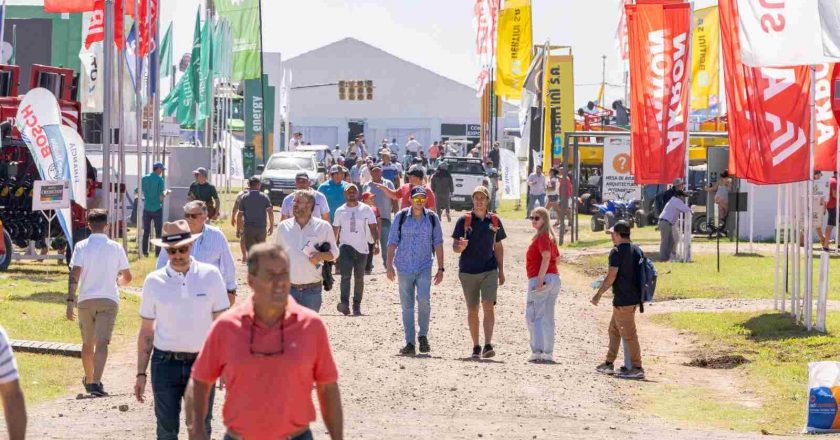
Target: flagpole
3	26
138	107
108	74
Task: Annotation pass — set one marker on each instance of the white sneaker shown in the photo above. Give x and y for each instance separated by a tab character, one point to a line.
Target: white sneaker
547	357
535	357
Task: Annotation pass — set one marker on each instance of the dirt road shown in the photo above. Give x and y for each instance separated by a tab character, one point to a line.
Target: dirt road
442	396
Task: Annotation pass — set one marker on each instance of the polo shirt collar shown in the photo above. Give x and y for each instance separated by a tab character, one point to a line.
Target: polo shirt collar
293	309
172	274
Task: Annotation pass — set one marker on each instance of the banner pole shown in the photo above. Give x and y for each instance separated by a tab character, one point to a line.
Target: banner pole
687	227
138	108
778	239
107	78
809	208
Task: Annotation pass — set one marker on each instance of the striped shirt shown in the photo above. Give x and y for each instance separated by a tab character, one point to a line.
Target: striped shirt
211	248
8	366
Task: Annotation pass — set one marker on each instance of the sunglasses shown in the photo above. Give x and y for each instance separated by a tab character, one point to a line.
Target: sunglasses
270	353
178	250
419	199
535	218
193	215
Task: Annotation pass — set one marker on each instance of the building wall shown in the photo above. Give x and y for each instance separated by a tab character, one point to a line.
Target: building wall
66	34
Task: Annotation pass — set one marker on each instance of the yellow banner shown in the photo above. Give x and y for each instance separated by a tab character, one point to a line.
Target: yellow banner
513	49
705	61
559	99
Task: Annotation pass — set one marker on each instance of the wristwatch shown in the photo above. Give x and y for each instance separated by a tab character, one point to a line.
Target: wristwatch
440	269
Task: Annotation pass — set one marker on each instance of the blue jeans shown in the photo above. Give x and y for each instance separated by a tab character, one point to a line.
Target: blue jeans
309	297
148	217
302	436
383	240
169	382
532	198
539	314
416	285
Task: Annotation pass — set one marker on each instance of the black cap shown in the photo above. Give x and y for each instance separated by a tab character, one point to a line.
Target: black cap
416	172
621	227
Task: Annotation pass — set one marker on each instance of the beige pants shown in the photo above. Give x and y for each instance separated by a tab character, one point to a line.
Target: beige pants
623	325
96	320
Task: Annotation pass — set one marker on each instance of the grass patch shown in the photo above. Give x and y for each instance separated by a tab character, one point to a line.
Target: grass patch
698	406
744	276
778	352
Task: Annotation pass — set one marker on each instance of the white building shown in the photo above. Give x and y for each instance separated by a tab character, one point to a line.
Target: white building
407	99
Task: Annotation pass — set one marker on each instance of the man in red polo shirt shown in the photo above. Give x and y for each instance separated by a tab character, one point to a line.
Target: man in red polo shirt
270	351
416	177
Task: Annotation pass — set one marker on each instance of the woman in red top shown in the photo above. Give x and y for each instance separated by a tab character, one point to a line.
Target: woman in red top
543	287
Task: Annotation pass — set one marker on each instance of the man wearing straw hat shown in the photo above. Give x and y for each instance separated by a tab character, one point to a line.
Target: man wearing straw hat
178	306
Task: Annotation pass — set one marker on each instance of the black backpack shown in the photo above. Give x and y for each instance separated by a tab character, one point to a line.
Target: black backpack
647	280
405	212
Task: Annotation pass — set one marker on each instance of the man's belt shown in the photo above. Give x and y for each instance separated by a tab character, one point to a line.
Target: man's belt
176	355
293	436
306	286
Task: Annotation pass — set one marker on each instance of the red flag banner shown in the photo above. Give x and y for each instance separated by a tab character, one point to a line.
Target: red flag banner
659	37
769	113
825	148
68	6
96	27
148	26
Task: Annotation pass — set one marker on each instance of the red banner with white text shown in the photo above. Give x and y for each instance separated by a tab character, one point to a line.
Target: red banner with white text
769	113
659	37
827	130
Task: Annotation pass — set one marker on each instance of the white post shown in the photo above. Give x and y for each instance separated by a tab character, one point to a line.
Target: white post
107	79
822	301
138	97
786	232
809	207
750	207
778	239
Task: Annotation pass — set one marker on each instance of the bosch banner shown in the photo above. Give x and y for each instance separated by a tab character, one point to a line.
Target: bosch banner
769	117
659	38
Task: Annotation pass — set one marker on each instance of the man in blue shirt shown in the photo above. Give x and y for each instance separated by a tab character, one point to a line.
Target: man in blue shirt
153	196
333	189
478	238
415	234
386	206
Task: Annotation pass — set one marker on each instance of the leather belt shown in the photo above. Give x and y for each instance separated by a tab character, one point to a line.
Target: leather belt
306	286
292	436
178	356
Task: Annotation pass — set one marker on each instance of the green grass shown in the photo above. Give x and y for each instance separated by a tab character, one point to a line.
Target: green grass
778	351
745	276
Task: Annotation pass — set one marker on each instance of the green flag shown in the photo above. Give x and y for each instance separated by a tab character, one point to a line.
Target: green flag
193	70
180	102
205	73
166	67
244	18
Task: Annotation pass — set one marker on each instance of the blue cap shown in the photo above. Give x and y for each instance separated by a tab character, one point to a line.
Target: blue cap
157	165
418	191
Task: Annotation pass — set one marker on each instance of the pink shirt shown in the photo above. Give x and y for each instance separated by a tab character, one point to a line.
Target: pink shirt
268	397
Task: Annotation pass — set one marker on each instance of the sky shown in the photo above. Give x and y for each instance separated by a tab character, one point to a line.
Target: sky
436	34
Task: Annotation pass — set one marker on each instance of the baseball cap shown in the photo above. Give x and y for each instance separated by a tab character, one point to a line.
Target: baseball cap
482	190
368	195
157	165
418	191
621	227
350	188
336	169
302	175
678	181
201	170
416	172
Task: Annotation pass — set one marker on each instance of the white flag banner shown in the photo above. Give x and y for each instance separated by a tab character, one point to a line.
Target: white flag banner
830	20
511	179
781	34
235	170
90	84
285	94
78	167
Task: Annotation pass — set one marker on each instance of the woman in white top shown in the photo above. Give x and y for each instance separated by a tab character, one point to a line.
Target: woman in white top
552	191
721	188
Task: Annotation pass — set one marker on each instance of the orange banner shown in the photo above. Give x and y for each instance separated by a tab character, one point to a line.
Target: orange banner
659	36
825	148
769	113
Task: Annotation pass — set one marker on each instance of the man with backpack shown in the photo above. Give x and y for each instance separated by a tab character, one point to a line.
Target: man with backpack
478	238
625	277
415	235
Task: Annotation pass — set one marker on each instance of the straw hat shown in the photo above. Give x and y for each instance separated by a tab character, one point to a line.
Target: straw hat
175	234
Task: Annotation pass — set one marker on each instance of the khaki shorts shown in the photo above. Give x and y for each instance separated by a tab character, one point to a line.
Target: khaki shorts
479	287
252	235
96	320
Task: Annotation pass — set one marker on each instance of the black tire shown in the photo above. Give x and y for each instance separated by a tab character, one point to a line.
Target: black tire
595	224
609	220
6	258
641	219
585	204
700	225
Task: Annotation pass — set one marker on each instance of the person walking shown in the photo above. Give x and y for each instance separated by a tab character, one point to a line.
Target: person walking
272	353
543	286
303	236
384	205
495	155
416	177
14	404
154	193
97	267
831	208
255	211
492	183
177	307
302	182
333	189
211	247
353	221
411	243
434	153
443	186
536	185
623	278
391	171
478	239
667	220
368	198
205	191
237	226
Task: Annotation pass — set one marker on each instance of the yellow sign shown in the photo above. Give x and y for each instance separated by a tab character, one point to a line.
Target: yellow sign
513	49
559	108
705	60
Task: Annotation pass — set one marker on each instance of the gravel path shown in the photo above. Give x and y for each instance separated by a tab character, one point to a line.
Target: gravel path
442	396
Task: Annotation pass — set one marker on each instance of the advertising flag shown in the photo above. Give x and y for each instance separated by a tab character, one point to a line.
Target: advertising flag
244	19
73	6
769	117
830	21
205	73
558	103
78	167
825	146
513	54
166	66
509	169
780	33
148	26
705	60
485	14
659	35
621	33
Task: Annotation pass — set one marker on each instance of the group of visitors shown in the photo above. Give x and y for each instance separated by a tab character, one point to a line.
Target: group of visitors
548	192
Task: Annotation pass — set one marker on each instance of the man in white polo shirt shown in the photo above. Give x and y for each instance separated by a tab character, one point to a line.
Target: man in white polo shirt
97	266
179	303
211	247
304	236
